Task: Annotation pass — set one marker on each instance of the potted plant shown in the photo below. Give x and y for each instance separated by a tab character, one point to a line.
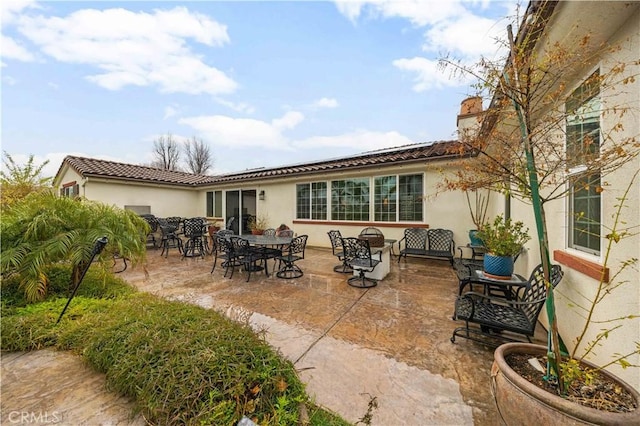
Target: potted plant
503	239
478	215
257	224
544	141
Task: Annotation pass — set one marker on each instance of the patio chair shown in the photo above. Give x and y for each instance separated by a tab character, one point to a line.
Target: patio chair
496	315
358	256
225	250
153	224
338	251
194	232
270	252
175	221
216	249
249	257
168	238
294	253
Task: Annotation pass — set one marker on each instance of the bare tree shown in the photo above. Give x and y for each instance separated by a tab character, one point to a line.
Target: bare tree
166	153
199	159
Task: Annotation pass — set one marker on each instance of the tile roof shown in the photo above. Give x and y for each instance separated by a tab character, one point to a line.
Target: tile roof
93	167
407	154
413	153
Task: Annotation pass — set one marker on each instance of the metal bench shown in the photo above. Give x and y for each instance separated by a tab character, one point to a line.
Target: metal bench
436	243
496	315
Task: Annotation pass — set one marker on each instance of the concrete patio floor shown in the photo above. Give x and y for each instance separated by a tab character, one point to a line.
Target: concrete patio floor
351	346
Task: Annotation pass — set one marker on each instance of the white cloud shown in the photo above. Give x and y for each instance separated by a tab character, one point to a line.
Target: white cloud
326	103
142	49
11	9
237	106
245	132
9	80
428	75
469	36
169	112
451	28
418	12
288	121
11	49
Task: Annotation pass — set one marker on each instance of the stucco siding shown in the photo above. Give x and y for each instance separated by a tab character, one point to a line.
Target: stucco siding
576	287
164	202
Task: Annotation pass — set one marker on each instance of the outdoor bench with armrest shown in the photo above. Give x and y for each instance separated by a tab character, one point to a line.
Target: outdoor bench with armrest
422	242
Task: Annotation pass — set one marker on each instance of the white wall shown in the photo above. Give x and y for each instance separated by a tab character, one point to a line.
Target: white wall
164	201
576	288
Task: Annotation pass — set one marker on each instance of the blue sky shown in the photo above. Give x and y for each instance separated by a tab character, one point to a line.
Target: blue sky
263	83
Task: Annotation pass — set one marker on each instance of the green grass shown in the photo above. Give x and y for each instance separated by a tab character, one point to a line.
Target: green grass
182	364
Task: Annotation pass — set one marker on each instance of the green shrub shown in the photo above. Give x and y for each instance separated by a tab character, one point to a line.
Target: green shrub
181	363
96	284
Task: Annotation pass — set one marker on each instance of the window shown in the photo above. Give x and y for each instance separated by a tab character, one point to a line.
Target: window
398	198
395	198
583	144
214	203
311	201
350	199
70	190
410	190
385	199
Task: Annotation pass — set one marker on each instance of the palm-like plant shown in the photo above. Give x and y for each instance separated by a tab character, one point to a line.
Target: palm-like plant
43	229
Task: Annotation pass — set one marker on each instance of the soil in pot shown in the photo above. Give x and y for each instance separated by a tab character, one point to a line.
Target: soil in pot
602	394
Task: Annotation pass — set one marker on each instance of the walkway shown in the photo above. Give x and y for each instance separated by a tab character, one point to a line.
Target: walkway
390	342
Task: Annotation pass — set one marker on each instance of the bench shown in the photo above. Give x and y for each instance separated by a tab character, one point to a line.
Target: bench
436	243
496	315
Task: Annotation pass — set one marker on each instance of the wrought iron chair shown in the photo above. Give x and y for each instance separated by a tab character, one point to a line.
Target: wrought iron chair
270	252
175	221
169	239
294	253
216	249
153	225
194	232
226	250
415	243
249	257
338	251
358	256
496	315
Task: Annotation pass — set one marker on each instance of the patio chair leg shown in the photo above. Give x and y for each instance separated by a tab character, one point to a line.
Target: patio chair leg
361	281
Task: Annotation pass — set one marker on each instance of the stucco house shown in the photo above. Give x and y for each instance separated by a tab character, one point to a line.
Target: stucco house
398	188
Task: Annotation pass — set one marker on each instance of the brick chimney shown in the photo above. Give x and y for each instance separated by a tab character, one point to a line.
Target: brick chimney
470	116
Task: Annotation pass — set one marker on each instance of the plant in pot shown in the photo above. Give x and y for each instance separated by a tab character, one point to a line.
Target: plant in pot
478	212
257	224
559	125
504	240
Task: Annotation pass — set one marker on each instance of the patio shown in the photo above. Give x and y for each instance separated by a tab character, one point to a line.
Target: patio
350	345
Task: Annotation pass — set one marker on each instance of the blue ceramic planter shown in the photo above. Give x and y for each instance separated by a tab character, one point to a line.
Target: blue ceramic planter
500	266
473	238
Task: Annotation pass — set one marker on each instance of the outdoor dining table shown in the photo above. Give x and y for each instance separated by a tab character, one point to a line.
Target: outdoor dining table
264	241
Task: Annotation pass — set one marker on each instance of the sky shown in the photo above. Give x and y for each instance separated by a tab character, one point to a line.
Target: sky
263	84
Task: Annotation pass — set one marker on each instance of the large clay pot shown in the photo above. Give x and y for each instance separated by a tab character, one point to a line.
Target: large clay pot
520	402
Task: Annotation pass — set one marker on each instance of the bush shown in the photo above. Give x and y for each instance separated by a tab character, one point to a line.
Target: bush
181	363
96	284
